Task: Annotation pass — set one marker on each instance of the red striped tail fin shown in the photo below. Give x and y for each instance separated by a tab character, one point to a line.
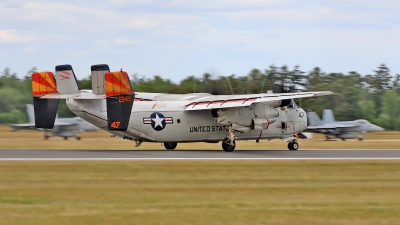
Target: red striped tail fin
120	97
45	109
117	83
43	83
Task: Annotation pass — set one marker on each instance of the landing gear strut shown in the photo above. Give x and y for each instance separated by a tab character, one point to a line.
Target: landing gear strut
170	145
229	144
293	145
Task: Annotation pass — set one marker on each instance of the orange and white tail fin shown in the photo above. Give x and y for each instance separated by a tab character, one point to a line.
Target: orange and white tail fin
43	83
119	98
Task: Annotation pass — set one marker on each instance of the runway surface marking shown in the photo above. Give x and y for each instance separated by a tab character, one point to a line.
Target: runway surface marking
173	159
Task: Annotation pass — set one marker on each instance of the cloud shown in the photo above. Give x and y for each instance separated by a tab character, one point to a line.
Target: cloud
11	36
127	41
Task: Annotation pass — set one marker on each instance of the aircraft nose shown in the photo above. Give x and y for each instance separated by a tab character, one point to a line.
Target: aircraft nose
377	129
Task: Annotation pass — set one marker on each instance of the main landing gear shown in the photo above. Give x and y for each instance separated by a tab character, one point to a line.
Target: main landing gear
293	145
170	145
229	144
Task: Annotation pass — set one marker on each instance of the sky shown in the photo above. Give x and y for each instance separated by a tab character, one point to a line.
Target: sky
178	38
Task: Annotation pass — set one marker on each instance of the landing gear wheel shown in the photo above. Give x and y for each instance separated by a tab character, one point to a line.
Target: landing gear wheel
65	138
227	146
46	137
360	138
78	138
295	145
170	145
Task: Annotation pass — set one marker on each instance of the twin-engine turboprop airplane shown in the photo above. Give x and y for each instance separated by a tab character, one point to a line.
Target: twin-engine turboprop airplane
168	118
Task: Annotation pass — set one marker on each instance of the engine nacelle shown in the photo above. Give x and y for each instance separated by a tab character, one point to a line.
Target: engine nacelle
262	124
244	119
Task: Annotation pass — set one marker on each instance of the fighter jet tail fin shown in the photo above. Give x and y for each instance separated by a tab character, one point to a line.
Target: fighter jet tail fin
328	116
31	113
313	119
45	110
119	98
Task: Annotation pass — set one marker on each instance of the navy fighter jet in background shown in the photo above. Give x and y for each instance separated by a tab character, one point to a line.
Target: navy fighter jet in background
338	129
63	127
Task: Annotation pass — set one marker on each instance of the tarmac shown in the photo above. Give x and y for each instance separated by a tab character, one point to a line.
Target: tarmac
104	155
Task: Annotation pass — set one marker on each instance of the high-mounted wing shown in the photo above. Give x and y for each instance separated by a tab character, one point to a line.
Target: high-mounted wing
227	101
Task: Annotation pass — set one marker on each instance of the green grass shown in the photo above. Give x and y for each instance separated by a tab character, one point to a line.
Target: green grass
200	192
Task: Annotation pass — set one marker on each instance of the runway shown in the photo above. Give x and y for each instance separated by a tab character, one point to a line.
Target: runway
101	155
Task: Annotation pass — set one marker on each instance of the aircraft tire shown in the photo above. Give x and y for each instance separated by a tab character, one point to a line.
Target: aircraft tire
65	138
78	138
170	145
360	139
295	146
46	137
227	147
290	145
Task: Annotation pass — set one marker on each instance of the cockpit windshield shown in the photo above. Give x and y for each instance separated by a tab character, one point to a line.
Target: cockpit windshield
292	104
363	121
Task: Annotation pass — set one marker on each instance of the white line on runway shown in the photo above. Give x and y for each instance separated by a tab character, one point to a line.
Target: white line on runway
158	159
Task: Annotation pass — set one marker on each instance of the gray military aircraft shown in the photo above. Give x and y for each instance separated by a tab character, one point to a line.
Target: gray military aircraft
63	127
338	129
168	118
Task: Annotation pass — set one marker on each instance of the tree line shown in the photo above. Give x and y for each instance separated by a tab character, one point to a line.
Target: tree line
374	97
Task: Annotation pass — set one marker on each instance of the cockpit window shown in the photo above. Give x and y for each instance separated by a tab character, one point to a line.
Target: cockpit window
363	121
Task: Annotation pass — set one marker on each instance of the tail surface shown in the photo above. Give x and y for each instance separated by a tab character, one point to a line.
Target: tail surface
66	80
45	110
313	119
120	97
31	113
328	116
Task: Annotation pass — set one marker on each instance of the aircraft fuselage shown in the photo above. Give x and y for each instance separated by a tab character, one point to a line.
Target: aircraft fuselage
164	121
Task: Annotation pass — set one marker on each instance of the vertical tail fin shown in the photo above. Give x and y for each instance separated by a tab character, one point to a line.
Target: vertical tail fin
31	113
45	110
328	116
120	97
66	80
313	119
98	73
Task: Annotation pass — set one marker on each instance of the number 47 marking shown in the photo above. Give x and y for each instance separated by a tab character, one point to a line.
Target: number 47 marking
115	124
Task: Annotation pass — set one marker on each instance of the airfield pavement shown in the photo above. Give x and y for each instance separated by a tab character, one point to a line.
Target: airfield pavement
101	155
